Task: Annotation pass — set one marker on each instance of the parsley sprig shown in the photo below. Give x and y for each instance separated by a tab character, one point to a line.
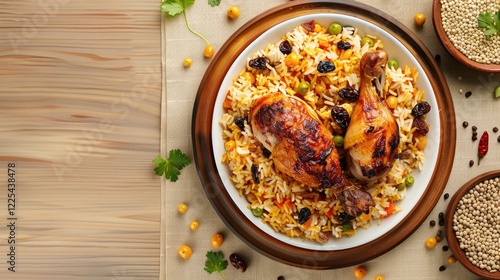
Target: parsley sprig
175	7
490	23
171	166
215	263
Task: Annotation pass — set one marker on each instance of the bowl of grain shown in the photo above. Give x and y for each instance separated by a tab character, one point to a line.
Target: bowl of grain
472	225
456	25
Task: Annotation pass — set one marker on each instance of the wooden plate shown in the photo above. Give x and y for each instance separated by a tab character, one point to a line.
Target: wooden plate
450	233
206	161
448	45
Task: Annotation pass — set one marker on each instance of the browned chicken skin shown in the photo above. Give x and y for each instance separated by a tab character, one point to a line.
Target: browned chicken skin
303	148
372	136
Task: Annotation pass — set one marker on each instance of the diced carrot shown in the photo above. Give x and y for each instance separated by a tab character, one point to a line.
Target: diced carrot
329	214
307	224
389	209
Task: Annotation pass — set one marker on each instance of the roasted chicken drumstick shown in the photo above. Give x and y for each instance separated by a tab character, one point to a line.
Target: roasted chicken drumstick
303	148
372	137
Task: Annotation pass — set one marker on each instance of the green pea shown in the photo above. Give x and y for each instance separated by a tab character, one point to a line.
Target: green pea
497	92
346	226
303	87
409	180
367	40
257	212
338	140
401	187
335	28
392	63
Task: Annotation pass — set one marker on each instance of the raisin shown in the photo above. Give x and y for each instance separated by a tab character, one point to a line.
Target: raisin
344	217
349	94
238	262
285	47
309	26
341	116
421	109
240	122
266	152
255	173
471	163
325	66
421	126
304	215
343	45
259	63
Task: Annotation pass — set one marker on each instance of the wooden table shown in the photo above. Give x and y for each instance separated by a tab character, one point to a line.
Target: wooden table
80	119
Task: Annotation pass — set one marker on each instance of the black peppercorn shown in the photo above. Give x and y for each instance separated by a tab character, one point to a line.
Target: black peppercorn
446	195
471	163
432	223
495	129
442	268
465	124
468	94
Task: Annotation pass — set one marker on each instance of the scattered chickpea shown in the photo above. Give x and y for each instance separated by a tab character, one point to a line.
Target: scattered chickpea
185	251
187	62
379	277
419	19
431	242
217	240
194	225
182	208
360	272
233	12
452	259
208	51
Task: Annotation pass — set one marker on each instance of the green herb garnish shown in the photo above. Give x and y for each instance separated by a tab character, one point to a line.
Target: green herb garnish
175	7
171	166
214	3
490	23
215	263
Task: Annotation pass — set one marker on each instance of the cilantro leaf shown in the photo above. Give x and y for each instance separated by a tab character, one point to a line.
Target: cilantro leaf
214	3
171	166
215	263
490	23
175	7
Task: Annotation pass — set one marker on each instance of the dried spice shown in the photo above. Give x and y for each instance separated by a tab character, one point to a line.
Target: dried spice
483	146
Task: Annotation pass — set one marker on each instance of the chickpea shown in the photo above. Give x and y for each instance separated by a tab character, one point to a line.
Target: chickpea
419	19
185	252
194	225
360	272
430	242
187	62
208	51
182	208
217	240
379	277
392	102
233	12
292	60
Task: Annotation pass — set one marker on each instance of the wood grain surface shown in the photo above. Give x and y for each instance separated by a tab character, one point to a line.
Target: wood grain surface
80	113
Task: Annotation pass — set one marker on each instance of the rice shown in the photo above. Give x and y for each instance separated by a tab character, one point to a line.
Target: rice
279	196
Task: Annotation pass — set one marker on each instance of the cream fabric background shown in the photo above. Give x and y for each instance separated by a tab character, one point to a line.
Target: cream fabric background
410	260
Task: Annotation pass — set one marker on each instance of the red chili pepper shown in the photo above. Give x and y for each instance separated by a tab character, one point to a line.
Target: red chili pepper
483	146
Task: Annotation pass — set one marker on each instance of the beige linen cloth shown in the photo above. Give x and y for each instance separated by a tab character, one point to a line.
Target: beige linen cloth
410	260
